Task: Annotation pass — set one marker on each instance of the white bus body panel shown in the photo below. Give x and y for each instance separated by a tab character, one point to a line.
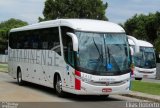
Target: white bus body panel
77	24
91	84
144	73
87	88
37	66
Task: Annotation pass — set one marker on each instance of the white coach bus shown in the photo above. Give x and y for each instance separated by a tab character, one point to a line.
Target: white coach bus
78	56
144	60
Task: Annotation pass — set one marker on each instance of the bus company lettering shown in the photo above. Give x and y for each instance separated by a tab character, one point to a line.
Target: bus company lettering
42	57
106	79
87	77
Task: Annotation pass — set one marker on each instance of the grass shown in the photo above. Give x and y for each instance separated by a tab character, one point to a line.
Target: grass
146	87
3	67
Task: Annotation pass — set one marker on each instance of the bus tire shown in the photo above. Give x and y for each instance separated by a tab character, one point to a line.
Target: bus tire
138	79
104	96
19	77
58	86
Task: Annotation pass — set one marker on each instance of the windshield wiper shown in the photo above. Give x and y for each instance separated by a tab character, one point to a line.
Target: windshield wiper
100	55
105	52
114	61
109	55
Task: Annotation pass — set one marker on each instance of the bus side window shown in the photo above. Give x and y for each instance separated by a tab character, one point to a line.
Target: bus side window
157	57
45	45
15	40
67	46
54	41
49	39
12	40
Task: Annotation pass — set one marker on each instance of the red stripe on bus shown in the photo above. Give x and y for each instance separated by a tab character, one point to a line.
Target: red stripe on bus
77	84
78	73
77	81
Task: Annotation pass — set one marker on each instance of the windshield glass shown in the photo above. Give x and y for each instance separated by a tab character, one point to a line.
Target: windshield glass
146	58
103	53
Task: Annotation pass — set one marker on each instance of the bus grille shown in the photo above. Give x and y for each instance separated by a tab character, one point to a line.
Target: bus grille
146	72
115	83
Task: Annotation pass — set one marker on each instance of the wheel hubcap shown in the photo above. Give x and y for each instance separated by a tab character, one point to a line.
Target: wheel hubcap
59	85
19	77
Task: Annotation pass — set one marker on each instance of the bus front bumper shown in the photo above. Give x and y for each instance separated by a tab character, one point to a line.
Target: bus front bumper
144	73
88	89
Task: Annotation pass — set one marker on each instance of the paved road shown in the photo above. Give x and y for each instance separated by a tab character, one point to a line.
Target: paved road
150	80
10	91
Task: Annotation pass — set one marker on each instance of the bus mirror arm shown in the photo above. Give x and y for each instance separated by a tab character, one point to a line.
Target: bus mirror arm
74	40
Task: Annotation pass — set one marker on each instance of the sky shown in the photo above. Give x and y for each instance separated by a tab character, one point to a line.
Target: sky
118	11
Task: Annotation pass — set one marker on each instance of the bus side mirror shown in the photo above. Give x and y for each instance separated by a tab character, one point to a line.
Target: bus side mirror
74	40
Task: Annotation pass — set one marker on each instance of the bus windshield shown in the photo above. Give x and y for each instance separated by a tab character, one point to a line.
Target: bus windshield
103	53
146	58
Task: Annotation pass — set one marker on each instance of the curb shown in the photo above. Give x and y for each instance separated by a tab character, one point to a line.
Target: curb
142	97
4	71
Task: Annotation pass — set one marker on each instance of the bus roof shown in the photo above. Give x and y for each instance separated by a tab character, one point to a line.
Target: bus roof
141	43
144	43
77	24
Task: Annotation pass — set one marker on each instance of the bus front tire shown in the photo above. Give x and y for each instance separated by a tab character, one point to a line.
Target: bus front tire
19	77
58	86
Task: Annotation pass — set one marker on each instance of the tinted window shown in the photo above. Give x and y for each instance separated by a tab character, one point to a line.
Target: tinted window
67	45
45	39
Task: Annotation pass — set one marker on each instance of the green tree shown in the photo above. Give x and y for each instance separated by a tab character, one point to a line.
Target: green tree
144	26
4	30
135	26
92	9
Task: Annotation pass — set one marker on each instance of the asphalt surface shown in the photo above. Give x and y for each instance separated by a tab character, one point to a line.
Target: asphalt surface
150	80
32	95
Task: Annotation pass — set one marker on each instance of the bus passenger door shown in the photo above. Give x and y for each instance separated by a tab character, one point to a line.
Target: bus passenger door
70	64
68	57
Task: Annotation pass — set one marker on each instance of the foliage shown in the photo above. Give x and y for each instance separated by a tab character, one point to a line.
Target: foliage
3	67
4	30
92	9
144	27
146	87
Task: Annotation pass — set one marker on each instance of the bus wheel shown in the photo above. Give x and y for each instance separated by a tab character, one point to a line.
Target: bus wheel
138	79
104	96
19	77
58	86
